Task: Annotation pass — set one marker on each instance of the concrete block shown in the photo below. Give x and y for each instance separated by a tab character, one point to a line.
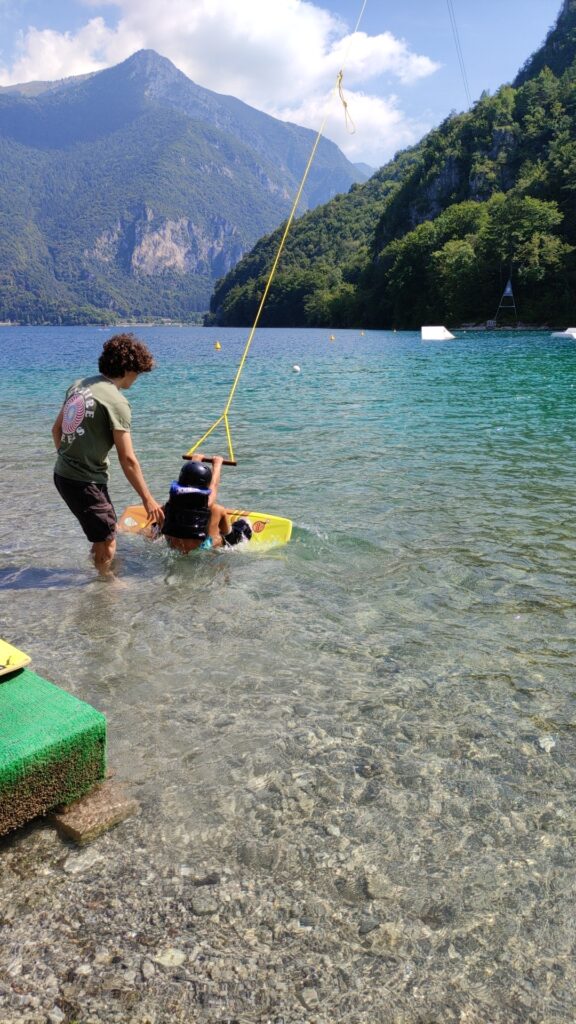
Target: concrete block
96	812
52	748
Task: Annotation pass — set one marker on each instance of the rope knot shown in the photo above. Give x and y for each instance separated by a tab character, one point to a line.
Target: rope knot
350	126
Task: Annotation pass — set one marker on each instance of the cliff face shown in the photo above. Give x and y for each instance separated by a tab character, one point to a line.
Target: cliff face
146	246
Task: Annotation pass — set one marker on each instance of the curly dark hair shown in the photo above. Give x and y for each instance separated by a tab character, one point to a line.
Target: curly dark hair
124	353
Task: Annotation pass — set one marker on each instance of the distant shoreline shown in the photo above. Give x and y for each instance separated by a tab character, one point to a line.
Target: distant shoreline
106	327
188	323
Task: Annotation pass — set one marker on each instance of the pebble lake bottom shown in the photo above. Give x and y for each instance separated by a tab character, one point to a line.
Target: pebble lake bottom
355	754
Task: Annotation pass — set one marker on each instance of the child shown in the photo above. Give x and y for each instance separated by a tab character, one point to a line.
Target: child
192	516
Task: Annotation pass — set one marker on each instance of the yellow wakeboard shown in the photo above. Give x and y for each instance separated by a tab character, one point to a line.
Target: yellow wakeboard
266	529
11	659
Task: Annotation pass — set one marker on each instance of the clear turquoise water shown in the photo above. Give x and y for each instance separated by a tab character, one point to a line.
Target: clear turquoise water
406	663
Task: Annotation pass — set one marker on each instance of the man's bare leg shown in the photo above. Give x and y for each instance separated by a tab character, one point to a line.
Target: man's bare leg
103	552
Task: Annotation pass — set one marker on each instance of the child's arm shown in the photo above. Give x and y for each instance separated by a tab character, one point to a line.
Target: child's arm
215	483
216	461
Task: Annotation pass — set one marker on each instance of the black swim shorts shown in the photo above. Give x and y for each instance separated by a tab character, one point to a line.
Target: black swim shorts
90	503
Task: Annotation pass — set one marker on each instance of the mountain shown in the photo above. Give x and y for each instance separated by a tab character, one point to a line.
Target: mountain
435	234
365	169
128	192
557	52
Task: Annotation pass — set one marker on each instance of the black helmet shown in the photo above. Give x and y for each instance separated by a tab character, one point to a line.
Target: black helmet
195	474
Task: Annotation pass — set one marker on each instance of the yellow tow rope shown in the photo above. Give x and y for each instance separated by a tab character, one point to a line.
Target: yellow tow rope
351	128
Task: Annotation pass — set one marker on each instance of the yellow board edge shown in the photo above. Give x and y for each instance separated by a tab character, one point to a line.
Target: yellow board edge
11	659
266	528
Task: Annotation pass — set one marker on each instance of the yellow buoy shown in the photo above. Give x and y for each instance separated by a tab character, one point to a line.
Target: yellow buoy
332	338
217	346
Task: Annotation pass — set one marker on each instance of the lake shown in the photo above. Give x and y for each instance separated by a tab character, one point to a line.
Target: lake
386	703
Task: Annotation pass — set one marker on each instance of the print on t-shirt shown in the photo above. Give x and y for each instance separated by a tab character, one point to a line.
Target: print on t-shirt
77	408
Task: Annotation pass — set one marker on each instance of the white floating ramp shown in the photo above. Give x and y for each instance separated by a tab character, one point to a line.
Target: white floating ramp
570	332
435	334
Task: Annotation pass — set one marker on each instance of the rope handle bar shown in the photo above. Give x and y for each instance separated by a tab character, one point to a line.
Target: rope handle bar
209	458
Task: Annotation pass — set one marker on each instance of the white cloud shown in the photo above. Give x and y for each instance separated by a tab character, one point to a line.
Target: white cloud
46	55
374	130
367	57
280	57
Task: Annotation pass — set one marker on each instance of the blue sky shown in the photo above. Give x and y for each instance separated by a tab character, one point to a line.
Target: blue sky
401	73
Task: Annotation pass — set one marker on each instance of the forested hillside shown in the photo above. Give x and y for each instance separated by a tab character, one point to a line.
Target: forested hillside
435	234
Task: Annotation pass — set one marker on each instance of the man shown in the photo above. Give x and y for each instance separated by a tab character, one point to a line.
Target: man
94	418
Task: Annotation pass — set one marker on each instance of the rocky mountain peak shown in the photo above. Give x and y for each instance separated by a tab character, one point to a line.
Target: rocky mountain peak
148	66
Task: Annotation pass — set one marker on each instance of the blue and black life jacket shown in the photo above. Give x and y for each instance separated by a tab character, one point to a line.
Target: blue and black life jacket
186	513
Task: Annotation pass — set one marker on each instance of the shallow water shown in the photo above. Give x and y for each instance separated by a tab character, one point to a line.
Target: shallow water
391	694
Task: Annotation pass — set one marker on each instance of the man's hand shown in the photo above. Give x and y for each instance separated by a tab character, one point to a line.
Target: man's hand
154	511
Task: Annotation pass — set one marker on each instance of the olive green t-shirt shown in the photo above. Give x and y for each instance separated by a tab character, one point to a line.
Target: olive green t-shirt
93	409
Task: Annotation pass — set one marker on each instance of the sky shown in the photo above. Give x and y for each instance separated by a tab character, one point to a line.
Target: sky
402	75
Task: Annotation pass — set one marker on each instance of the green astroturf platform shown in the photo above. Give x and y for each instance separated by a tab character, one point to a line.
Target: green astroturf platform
52	748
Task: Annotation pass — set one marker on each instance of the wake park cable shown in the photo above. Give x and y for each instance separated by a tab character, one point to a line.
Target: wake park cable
459	52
